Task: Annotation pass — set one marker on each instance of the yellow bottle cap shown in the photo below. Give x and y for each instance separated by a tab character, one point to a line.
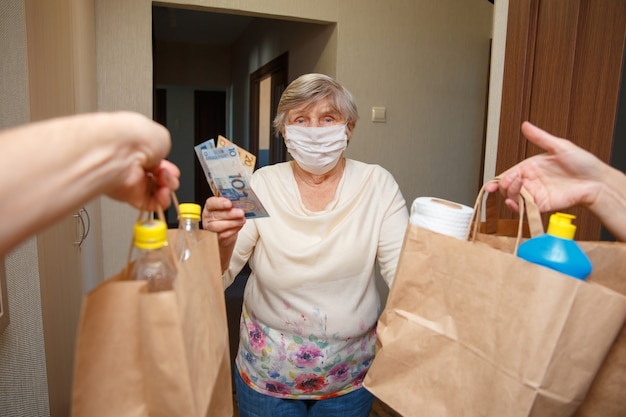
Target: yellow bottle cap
190	210
150	234
560	225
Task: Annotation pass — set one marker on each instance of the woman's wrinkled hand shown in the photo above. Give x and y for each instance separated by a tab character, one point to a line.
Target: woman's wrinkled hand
220	217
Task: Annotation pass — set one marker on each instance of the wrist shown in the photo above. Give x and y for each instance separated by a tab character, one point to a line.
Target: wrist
610	203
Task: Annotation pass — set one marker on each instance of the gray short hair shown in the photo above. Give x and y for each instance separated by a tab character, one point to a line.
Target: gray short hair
311	88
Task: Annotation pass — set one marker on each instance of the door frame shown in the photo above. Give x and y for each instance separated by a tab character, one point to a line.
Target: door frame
212	104
278	69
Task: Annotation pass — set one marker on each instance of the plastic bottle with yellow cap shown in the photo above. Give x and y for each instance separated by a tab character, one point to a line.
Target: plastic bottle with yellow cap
557	249
188	229
153	262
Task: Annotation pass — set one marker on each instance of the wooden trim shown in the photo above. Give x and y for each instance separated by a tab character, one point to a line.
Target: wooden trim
505	227
277	66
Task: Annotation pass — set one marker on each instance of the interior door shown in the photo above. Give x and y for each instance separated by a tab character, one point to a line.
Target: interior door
562	71
210	121
266	86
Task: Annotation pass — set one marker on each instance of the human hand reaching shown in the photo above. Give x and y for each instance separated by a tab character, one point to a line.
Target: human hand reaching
566	176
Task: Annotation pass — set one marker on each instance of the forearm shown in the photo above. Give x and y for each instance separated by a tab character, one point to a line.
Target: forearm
52	168
610	204
226	252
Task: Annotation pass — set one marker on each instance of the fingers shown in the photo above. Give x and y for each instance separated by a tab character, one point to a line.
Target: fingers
513	186
491	187
541	138
216	209
168	175
161	198
510	186
165	179
220	217
161	143
512	204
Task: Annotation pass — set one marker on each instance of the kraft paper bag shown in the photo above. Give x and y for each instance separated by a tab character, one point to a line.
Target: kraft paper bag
469	329
606	396
156	354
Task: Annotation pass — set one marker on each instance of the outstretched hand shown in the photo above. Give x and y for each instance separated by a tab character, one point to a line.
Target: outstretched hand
119	154
564	176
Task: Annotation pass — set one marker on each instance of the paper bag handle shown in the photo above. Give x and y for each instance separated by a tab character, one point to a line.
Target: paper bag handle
527	207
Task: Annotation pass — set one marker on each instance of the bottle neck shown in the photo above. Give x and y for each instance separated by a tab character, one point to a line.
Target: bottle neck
154	253
189	224
556	236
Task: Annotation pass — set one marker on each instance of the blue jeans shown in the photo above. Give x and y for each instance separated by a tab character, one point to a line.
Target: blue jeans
254	404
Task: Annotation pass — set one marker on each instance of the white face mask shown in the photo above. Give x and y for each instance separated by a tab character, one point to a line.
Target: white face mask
316	149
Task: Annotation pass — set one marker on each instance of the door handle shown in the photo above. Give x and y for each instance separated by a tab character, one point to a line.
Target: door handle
84	226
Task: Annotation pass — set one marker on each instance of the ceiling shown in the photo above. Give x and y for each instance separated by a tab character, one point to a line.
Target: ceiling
195	26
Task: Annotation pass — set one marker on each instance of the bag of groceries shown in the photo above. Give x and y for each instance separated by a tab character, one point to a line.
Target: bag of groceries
141	353
469	329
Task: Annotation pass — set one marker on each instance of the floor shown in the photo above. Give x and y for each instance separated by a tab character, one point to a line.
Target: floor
380	409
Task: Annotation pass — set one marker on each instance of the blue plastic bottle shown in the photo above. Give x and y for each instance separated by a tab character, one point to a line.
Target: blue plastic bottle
556	249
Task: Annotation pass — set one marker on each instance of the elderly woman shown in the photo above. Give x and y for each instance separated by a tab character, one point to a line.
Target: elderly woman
308	325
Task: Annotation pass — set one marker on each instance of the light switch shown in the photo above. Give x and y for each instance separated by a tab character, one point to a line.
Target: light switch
379	114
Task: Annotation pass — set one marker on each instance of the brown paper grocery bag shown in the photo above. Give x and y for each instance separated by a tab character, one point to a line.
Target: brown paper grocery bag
469	329
156	354
606	396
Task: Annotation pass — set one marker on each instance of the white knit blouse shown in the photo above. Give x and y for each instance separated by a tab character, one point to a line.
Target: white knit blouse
310	305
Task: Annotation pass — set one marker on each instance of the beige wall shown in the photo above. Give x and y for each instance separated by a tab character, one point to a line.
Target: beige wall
425	61
124	81
23	382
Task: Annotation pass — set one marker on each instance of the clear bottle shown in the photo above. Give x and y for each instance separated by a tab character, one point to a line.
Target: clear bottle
153	262
557	249
188	229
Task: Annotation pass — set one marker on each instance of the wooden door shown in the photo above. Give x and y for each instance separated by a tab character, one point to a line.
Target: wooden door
562	72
